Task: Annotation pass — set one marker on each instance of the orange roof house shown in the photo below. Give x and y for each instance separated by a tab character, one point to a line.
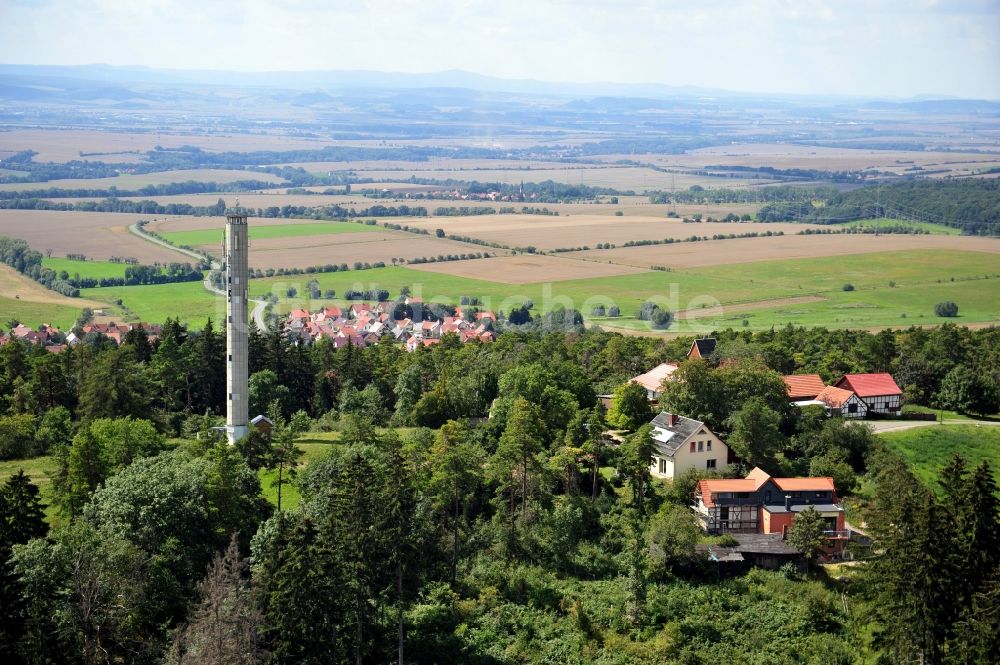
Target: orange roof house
653	379
878	391
803	386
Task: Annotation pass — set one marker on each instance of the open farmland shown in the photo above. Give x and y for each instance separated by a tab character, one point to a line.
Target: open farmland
528	268
791	156
262	200
550	232
187	301
31	303
764	294
64	145
719	252
210	237
129	182
617	177
85	269
96	235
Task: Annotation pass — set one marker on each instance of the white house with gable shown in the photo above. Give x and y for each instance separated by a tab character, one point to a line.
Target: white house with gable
683	443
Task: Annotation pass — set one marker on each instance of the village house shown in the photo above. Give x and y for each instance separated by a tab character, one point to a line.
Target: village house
683	443
878	391
839	402
654	378
760	503
803	387
702	348
369	324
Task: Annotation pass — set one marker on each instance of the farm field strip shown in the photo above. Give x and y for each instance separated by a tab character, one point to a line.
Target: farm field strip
550	232
261	231
722	252
96	235
85	269
129	182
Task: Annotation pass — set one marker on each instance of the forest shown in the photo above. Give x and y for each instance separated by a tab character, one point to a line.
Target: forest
468	507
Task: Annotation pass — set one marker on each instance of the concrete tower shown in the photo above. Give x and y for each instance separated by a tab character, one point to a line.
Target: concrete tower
237	273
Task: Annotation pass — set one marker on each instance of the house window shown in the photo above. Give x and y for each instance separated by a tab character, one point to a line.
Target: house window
820	495
700	445
692	446
708	445
767	496
710	464
663	466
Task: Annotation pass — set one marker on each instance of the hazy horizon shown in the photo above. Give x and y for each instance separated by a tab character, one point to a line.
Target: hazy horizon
889	49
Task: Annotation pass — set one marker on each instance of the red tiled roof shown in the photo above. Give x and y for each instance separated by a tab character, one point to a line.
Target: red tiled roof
870	385
834	397
803	386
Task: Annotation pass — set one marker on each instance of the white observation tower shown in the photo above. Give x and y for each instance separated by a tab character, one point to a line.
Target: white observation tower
237	272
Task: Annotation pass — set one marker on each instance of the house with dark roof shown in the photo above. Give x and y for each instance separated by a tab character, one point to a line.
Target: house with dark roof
878	391
803	386
684	443
702	348
761	503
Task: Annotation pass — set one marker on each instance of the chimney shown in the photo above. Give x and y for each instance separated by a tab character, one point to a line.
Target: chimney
671	419
788	502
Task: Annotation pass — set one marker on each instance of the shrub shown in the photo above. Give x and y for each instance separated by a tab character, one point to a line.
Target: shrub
946	308
847	287
614	311
598	311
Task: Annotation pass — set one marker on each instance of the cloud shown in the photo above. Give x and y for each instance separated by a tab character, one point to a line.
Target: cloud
890	48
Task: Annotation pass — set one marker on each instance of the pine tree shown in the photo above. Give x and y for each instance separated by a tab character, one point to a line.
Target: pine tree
517	465
224	627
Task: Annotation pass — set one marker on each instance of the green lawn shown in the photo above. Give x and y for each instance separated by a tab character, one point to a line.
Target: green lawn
273	230
40	470
34	314
928	449
85	269
929	227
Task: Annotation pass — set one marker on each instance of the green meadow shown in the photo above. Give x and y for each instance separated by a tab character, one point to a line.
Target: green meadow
928	449
889	289
275	230
41	471
34	314
188	301
928	227
85	269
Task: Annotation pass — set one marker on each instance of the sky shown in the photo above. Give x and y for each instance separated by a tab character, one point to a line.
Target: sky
883	48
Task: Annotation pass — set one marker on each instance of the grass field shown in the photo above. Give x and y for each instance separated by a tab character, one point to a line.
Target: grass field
928	449
188	301
40	470
933	229
802	291
273	230
85	269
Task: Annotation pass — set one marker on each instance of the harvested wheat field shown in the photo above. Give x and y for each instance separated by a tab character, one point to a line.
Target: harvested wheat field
306	251
15	285
96	235
746	250
64	145
528	269
132	182
790	156
550	232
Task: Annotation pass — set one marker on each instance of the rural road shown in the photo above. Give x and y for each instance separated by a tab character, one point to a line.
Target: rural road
258	311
